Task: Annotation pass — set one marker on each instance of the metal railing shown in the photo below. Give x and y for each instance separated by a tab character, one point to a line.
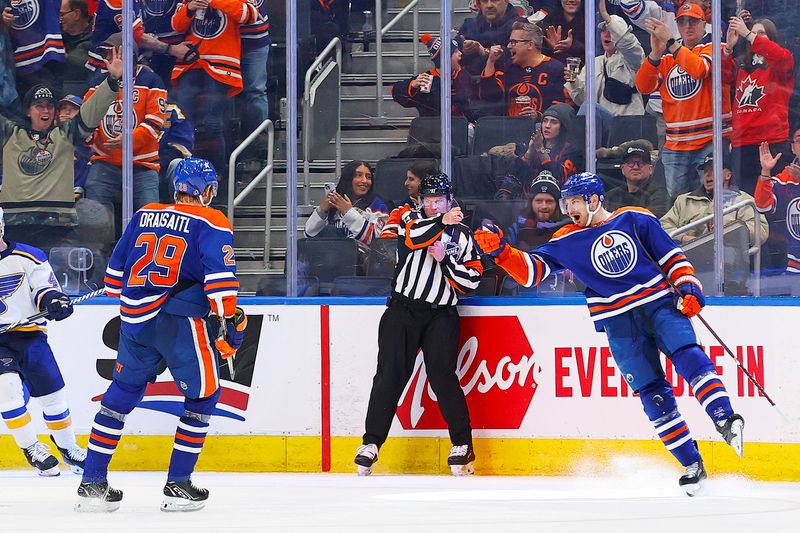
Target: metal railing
266	171
335	44
754	250
413	5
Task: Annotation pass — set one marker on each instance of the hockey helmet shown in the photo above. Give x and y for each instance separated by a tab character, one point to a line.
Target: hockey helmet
193	175
584	184
437	184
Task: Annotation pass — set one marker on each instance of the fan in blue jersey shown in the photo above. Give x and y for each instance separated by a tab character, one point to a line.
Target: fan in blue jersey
172	269
629	264
27	287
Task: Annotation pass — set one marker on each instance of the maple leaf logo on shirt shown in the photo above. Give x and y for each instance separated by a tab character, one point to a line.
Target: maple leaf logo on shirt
749	93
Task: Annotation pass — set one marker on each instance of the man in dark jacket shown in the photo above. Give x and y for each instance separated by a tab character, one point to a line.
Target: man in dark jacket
491	26
77	33
640	188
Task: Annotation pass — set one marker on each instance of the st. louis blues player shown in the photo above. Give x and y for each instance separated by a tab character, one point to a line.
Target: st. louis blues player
624	259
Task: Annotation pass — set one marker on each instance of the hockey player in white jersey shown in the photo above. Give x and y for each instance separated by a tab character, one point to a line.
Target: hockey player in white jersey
28	286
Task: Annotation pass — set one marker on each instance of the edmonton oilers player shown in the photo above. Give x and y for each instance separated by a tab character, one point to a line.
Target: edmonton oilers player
172	269
623	258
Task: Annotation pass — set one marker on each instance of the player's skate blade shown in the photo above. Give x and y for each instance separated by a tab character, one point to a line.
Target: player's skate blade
460	460
183	496
39	457
692	479
75	457
366	456
732	430
98	497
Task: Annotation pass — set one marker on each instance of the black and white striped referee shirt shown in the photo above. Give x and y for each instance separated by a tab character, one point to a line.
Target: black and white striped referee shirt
419	276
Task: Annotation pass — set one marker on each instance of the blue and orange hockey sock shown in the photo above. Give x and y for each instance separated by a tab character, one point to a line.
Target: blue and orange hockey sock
696	368
190	436
659	404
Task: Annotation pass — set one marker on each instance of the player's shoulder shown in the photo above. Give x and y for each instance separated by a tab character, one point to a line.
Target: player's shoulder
148	78
565	230
214	218
31	253
633	211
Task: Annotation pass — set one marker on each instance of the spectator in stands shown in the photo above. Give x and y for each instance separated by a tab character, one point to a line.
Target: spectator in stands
542	216
686	93
552	147
354	209
67	109
161	38
699	203
492	26
177	143
330	18
414	175
255	55
77	32
104	183
38	169
9	98
203	87
764	83
108	21
615	70
776	198
424	91
38	46
531	83
640	189
564	32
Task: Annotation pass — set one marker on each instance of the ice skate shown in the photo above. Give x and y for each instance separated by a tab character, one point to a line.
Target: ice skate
183	496
460	460
691	480
97	497
74	456
39	456
366	456
732	430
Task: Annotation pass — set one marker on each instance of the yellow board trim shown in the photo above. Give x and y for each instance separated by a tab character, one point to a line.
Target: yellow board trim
428	455
18	422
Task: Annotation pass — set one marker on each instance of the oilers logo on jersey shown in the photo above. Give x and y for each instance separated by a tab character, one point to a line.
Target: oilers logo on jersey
614	254
34	161
27	12
793	218
213	25
8	286
680	85
112	121
158	8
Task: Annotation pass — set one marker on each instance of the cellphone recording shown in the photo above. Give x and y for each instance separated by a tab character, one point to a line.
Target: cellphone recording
329	188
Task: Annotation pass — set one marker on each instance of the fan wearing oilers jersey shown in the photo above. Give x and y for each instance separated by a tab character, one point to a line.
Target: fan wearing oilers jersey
27	287
175	275
629	265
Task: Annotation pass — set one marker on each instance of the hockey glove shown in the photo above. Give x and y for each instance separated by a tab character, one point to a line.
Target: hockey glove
56	304
233	335
690	300
490	240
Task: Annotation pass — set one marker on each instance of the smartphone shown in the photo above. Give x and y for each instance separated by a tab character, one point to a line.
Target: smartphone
538	127
329	188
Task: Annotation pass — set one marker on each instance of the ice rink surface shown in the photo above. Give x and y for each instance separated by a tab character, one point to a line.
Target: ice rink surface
636	497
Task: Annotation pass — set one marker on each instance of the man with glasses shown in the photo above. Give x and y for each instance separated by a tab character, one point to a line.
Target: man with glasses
531	83
639	189
490	27
77	33
437	263
680	70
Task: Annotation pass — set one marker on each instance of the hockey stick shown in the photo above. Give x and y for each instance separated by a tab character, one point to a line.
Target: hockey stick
728	351
43	314
223	347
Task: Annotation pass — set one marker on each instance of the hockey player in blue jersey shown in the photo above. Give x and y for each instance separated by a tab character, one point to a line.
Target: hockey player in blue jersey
27	287
625	259
175	274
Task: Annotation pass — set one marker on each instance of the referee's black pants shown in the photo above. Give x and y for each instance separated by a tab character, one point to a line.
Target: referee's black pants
403	330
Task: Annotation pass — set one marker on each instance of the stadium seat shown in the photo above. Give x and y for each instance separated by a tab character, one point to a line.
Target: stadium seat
78	269
502	213
472	177
427	131
487	286
390	174
382	257
327	259
631	127
276	286
495	131
361	286
736	240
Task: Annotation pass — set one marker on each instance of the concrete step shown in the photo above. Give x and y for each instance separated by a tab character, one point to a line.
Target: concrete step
429	18
366	106
394	62
370	79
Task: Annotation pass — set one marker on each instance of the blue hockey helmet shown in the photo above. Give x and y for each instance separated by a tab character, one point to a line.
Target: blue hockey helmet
193	175
584	184
436	184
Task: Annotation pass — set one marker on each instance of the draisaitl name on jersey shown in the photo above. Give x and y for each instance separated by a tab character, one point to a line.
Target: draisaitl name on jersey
167	220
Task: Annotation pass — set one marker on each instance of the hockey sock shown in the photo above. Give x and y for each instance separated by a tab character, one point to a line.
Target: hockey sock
659	404
190	436
118	401
14	410
694	366
57	418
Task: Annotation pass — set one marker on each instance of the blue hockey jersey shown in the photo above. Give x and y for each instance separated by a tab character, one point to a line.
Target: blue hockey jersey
613	259
177	258
157	18
107	22
36	35
779	200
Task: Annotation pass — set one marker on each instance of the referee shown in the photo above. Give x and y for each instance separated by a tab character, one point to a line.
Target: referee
437	261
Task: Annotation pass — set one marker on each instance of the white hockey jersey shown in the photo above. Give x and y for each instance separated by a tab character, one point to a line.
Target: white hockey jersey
25	277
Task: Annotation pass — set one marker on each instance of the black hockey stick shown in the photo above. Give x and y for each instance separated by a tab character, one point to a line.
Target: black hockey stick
43	314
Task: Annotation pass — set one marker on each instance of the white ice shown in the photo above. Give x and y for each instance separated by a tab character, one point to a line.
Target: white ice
634	497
